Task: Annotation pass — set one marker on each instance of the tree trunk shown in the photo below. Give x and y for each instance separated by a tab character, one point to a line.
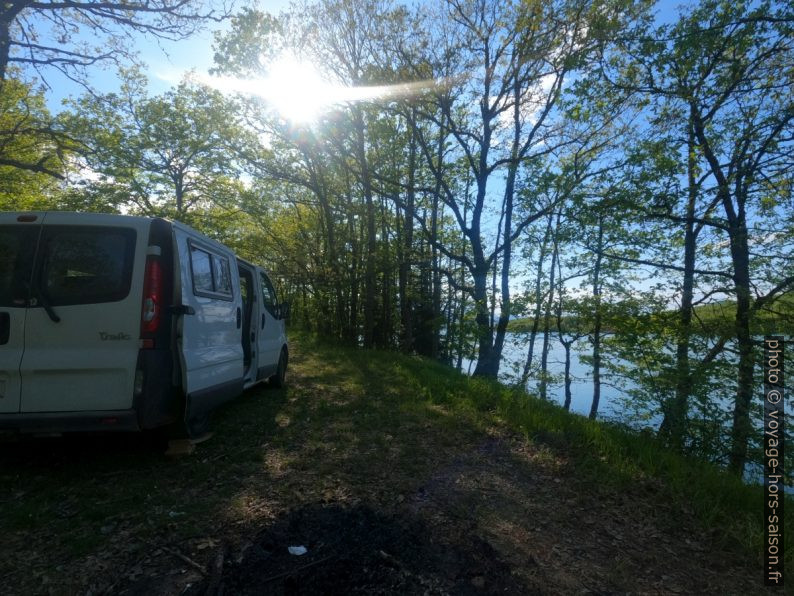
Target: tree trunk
463	295
8	15
484	331
674	426
179	197
327	220
740	258
507	253
567	404
355	256
742	426
436	305
406	304
544	355
369	272
597	323
538	303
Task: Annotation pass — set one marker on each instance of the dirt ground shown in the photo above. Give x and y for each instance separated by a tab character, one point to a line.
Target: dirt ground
385	500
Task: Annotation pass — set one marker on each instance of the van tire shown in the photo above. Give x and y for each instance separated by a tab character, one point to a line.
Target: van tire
186	429
280	378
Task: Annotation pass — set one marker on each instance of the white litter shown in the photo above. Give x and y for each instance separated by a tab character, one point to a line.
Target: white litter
297	550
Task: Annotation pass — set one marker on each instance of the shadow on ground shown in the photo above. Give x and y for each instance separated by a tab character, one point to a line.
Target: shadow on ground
358	550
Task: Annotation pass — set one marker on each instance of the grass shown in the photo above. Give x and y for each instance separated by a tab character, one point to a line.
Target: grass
354	426
603	453
610	457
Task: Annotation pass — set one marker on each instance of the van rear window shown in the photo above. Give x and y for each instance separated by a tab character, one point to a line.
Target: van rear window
17	249
86	265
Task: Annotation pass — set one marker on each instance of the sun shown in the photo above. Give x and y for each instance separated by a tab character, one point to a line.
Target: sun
296	90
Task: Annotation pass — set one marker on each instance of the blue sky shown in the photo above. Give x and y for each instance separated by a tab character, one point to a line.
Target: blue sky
166	61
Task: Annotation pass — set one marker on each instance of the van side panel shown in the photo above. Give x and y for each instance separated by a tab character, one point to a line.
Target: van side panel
85	360
209	339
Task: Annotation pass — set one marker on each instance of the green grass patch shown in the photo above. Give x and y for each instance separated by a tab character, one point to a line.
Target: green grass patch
608	456
352	425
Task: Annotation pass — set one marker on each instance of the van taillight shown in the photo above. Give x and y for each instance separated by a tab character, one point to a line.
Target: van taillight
152	310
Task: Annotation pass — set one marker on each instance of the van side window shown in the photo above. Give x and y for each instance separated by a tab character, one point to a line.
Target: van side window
222	275
268	294
211	274
202	271
86	266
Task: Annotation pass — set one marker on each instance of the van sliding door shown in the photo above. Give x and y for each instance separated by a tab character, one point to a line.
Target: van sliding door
210	337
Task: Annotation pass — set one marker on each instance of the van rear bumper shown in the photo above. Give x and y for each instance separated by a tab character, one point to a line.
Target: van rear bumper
59	422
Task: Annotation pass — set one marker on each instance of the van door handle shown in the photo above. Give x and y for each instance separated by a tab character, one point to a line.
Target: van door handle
263	320
181	309
5	327
239	317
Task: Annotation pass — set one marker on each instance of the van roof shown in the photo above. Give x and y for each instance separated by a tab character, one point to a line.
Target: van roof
10	216
90	218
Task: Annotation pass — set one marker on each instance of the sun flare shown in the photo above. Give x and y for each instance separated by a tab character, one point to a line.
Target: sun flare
297	91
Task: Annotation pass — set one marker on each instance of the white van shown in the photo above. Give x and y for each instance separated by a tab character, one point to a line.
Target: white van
112	322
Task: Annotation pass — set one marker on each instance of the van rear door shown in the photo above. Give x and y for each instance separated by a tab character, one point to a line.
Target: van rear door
83	321
18	238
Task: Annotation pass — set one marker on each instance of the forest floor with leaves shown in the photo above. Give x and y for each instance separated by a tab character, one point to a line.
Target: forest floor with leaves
394	484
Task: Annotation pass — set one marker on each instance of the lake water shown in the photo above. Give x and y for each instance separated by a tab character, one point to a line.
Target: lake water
612	390
514	355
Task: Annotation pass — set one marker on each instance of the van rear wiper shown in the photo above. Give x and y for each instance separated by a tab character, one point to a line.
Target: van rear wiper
48	309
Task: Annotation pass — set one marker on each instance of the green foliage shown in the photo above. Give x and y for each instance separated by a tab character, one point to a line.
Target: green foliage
165	155
31	151
253	37
562	124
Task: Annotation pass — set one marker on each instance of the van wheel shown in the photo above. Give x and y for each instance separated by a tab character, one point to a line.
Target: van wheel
280	378
192	429
198	428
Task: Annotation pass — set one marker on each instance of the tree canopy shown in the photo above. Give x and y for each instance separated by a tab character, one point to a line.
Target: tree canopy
417	177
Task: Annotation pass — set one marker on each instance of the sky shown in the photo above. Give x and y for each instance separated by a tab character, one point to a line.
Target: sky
166	61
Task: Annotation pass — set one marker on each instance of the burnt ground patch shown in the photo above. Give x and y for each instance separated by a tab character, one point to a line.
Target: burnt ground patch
357	550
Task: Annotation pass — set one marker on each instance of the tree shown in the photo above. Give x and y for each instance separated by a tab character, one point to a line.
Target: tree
160	155
31	153
743	126
725	70
70	35
509	62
